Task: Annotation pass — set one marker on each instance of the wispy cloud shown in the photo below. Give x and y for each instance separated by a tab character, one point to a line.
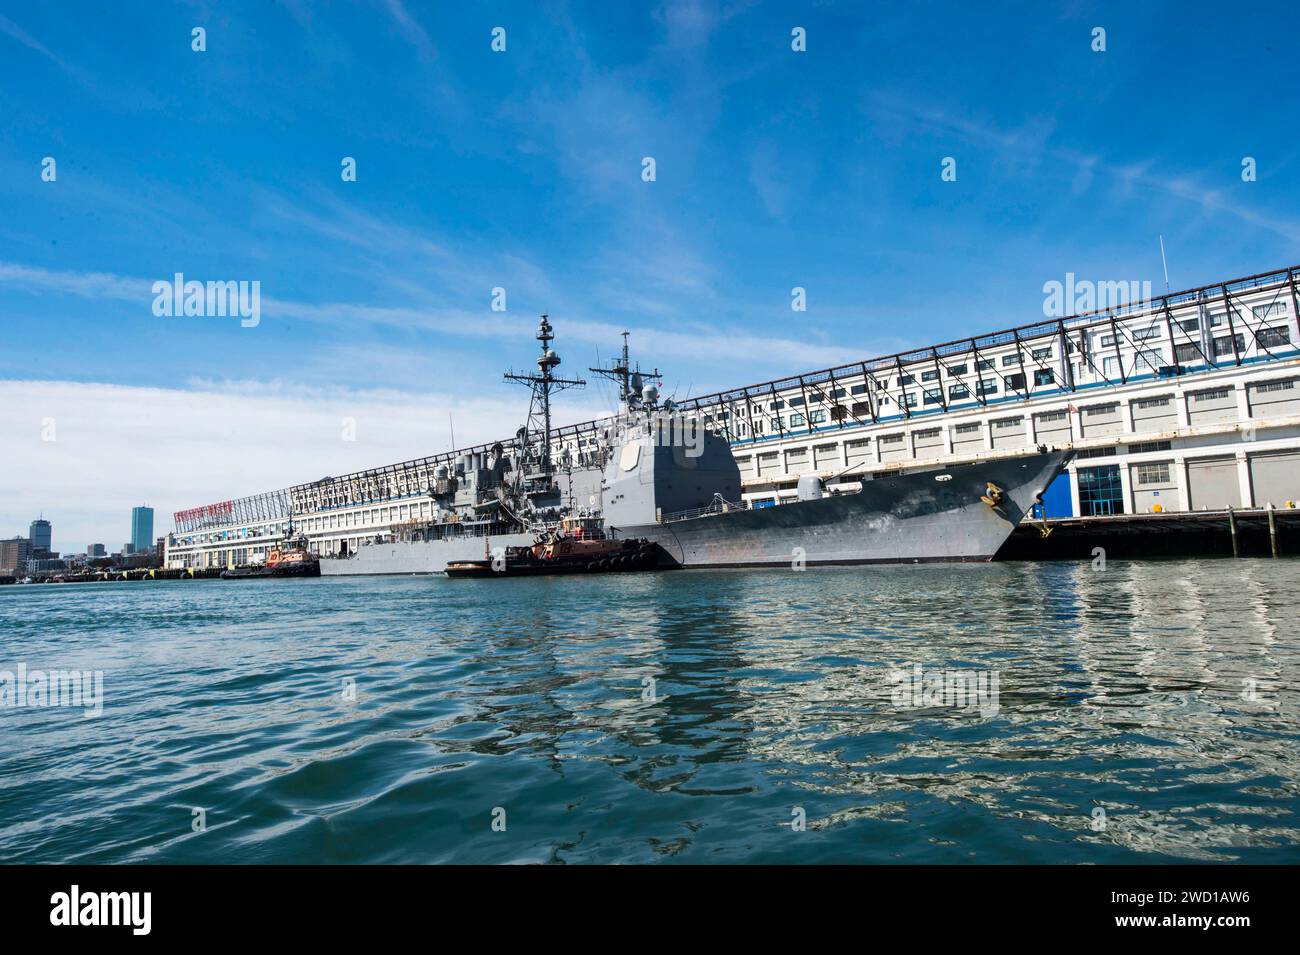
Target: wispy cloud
286	433
1032	146
732	347
22	36
411	29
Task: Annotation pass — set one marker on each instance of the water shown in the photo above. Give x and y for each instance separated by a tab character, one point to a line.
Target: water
1162	693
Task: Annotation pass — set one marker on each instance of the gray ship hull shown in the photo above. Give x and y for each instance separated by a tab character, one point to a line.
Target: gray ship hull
417	557
905	519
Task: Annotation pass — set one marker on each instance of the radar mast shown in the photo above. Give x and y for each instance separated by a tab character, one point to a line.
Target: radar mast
536	434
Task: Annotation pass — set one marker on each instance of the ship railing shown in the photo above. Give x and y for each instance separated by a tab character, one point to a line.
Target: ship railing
719	506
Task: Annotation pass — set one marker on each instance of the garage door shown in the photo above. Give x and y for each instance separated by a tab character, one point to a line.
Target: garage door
1275	477
1213	484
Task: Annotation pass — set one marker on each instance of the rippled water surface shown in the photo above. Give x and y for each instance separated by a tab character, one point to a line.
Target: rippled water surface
1144	713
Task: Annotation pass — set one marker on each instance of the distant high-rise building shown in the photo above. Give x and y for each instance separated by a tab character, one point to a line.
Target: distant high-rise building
141	528
42	536
14	553
96	550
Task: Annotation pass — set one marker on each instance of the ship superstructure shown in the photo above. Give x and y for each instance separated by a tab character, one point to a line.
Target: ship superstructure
498	498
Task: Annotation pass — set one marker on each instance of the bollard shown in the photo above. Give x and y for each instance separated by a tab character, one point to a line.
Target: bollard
1272	529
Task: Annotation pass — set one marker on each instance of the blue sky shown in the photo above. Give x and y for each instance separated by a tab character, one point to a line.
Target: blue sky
522	169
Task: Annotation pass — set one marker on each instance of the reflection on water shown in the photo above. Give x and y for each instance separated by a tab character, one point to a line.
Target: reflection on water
1146	712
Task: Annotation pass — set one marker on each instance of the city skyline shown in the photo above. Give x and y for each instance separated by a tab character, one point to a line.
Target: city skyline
86	549
775	169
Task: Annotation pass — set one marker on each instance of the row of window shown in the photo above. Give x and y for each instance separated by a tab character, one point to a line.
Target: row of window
1144	361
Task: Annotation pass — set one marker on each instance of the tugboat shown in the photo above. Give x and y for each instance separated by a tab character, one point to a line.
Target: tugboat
579	545
290	559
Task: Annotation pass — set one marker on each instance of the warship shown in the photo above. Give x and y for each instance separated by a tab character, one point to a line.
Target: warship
675	483
672	482
504	498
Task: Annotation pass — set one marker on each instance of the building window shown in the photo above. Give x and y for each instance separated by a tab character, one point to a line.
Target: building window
1100	491
987	386
1098	410
1190	325
1016	381
1146	447
861	409
933	396
971	428
1189	354
1273	337
1152	473
1217	394
909	400
858	389
1103	452
1143	334
984	364
1107	341
776	406
1044	377
906	380
795	402
957	392
1147	360
1009	361
957	370
837	393
891	439
1110	368
929	376
796	420
1144	403
1223	345
1266	386
1005	424
1269	310
1050	416
1042	354
838	413
778	423
817	417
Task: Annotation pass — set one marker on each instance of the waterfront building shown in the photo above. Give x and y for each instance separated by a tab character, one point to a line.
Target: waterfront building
1188	401
42	565
141	528
96	550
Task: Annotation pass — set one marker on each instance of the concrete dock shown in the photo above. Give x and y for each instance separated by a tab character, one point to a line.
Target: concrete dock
1239	532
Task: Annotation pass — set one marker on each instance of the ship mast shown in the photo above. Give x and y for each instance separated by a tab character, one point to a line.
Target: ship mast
620	370
544	384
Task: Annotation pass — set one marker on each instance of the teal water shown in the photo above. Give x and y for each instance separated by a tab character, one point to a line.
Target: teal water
1162	693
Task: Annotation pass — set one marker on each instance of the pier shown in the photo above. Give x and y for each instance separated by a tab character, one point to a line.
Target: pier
1230	532
111	576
